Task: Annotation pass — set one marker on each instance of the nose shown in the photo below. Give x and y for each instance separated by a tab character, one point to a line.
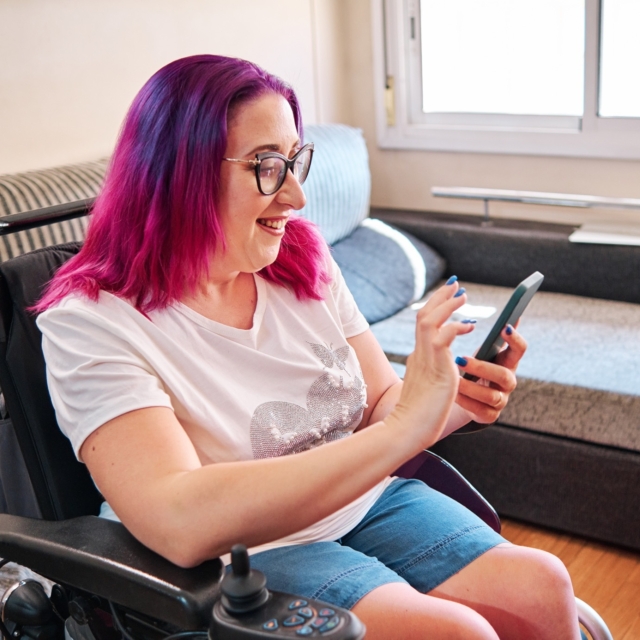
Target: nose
291	193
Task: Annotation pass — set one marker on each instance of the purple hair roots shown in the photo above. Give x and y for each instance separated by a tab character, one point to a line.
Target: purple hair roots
154	226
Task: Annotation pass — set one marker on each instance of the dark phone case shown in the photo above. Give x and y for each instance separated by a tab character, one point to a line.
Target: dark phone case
514	308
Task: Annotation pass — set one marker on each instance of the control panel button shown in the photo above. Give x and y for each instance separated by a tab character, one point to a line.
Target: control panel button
318	622
305	612
332	624
294	621
305	631
326	613
270	625
296	604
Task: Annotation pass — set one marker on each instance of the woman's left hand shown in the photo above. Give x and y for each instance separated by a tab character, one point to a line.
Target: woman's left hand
486	397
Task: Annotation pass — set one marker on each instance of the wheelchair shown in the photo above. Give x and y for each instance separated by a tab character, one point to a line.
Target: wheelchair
100	583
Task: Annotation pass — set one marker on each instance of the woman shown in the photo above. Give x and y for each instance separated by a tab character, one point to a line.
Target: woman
203	333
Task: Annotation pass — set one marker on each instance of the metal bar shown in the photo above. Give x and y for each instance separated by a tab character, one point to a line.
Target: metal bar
40	217
535	197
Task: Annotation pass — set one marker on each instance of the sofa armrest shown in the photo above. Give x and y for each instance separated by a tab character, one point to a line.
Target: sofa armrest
102	557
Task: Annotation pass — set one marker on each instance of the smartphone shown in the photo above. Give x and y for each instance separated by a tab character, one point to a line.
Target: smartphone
514	308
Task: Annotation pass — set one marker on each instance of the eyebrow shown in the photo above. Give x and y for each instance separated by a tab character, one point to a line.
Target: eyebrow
271	147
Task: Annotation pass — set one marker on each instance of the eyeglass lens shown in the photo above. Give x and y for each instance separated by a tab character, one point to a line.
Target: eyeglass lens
272	171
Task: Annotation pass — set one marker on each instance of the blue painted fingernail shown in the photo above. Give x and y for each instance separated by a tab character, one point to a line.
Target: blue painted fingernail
460	361
451	280
509	329
459	292
469	321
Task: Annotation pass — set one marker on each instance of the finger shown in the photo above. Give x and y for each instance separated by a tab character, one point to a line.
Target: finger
481	412
492	397
449	332
498	376
446	291
517	345
436	314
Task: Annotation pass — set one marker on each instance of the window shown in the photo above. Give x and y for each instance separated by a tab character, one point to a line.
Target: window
547	77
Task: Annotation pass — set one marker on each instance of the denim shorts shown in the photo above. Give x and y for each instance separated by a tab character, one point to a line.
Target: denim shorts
412	534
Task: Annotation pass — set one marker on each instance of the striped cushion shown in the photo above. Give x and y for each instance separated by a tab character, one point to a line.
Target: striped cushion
339	183
35	189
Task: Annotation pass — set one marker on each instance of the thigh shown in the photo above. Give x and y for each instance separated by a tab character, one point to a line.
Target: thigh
399	612
524	593
421	535
326	571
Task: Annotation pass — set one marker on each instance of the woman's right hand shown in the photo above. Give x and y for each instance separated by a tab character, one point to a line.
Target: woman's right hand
432	377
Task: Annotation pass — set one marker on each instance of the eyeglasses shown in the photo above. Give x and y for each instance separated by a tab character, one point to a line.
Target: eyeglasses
271	168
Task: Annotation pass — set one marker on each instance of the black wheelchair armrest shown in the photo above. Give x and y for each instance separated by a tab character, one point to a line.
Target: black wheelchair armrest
103	558
445	478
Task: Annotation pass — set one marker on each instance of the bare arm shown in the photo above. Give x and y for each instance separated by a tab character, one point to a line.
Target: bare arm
148	470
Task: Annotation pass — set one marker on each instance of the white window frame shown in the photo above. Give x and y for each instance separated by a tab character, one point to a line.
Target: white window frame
402	125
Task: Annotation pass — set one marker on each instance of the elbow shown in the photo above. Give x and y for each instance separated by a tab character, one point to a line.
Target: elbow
176	541
181	550
184	558
187	548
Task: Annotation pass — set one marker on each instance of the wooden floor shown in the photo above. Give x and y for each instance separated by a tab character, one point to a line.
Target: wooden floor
607	578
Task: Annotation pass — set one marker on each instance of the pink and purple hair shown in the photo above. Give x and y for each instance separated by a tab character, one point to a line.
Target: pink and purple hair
154	225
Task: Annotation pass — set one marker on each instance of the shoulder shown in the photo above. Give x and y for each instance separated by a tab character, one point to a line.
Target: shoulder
77	313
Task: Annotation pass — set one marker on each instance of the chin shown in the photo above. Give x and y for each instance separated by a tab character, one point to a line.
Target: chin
267	260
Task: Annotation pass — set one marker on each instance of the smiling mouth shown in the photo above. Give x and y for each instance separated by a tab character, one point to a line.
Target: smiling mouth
273	224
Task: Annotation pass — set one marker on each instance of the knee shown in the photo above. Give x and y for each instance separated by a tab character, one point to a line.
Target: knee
546	582
470	625
549	577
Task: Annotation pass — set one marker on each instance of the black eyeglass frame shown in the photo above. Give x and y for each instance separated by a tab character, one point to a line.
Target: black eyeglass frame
289	164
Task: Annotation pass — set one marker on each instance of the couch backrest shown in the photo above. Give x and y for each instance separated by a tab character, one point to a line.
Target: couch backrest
337	191
36	189
338	188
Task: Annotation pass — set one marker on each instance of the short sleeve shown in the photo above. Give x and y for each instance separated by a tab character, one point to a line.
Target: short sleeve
94	372
353	322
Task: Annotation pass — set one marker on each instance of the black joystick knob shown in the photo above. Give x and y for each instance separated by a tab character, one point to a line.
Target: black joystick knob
243	589
28	604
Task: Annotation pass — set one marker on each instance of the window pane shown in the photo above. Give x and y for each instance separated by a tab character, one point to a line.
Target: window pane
620	59
503	56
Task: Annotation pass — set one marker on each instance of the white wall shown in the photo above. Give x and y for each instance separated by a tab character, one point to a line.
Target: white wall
70	68
403	179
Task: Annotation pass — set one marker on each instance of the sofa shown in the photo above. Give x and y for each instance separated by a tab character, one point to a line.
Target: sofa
566	451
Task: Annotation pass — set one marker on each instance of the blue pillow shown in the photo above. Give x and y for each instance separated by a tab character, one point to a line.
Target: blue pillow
386	269
339	183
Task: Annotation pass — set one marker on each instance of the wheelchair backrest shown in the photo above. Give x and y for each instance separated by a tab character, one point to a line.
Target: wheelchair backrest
62	485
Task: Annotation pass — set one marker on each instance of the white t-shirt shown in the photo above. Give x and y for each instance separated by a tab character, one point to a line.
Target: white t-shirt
288	384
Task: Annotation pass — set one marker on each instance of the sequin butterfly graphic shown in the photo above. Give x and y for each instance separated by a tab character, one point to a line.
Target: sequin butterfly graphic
328	357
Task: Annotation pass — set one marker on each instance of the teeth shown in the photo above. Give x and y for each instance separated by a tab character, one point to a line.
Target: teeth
274	224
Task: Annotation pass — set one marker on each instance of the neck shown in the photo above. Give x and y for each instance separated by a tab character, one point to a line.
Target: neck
230	300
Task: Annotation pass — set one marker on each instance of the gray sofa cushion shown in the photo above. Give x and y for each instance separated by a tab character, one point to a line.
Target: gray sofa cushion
339	183
386	269
580	377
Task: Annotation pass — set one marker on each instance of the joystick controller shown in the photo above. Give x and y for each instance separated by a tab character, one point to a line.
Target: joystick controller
243	590
247	609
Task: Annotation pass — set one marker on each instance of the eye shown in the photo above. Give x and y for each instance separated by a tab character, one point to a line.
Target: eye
270	167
